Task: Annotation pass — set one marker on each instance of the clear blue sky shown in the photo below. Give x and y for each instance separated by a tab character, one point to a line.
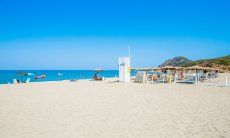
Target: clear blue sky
53	34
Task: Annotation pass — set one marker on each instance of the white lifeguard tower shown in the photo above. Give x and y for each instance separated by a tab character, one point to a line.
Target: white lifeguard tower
124	69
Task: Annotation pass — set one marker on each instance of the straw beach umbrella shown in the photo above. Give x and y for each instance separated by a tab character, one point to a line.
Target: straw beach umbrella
172	68
143	69
179	68
195	68
168	68
157	69
98	70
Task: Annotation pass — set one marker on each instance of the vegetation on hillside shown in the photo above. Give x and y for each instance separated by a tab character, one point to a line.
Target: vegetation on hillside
220	62
210	62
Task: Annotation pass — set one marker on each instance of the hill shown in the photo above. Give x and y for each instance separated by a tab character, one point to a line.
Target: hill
176	61
220	62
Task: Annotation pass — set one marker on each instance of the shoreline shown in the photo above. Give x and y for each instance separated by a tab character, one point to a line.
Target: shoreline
220	80
110	78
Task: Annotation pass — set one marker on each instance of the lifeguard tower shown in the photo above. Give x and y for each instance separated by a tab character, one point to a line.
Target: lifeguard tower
124	69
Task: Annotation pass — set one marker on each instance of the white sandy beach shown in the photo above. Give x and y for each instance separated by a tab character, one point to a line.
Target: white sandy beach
110	109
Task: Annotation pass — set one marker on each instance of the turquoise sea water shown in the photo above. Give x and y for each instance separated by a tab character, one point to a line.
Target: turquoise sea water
7	76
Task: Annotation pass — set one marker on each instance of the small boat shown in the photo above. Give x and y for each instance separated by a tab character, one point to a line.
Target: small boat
40	77
30	74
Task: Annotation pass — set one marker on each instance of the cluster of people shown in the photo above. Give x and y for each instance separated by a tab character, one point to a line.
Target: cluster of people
96	76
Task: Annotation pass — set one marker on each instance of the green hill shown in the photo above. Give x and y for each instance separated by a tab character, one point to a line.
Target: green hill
220	62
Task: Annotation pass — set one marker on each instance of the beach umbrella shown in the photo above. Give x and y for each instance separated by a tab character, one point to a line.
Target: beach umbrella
98	70
195	68
169	68
149	69
143	69
157	69
179	68
21	74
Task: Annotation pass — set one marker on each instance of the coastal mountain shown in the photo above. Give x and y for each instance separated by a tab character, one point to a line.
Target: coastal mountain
176	61
222	63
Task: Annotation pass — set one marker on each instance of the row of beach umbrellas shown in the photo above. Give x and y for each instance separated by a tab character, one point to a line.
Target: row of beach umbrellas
177	68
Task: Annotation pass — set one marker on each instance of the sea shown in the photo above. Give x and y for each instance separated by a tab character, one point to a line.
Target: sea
7	76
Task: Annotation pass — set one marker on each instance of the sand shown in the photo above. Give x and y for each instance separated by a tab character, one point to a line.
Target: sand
110	109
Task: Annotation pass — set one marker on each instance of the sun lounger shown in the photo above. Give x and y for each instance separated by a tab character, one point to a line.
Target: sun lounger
161	79
189	80
140	77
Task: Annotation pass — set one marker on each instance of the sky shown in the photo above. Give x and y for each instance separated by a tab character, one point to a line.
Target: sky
72	34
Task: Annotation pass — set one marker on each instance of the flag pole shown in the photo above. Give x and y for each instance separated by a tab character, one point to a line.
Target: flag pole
129	52
129	62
